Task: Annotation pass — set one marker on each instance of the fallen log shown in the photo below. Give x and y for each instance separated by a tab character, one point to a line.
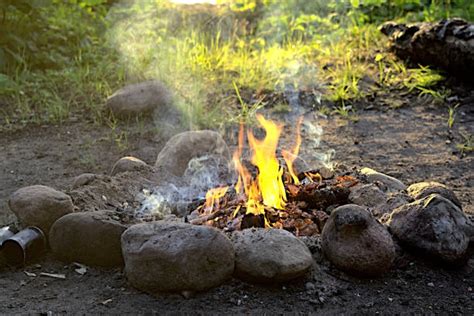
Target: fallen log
448	44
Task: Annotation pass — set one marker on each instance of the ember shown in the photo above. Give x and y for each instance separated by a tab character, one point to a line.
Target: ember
277	196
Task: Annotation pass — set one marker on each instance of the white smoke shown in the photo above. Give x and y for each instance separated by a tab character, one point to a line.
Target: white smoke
203	173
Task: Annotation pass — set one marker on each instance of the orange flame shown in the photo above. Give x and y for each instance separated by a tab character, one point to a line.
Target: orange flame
267	189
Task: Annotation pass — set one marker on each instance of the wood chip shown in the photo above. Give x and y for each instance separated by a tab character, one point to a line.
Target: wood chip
106	301
30	274
81	269
53	275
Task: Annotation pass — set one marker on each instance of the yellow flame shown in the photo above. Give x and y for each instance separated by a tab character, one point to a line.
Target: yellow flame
213	197
270	173
267	189
290	156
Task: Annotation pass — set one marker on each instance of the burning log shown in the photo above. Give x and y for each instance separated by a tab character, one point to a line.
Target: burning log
321	198
277	196
252	220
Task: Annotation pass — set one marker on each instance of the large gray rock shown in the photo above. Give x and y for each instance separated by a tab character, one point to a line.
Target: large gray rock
356	242
139	98
129	163
390	183
183	147
174	257
40	206
433	225
421	190
92	238
269	255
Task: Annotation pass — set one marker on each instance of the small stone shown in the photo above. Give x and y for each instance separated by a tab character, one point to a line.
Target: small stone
357	243
431	284
269	255
433	225
176	257
421	190
140	98
326	173
369	196
310	286
83	179
126	164
183	147
40	206
391	183
91	238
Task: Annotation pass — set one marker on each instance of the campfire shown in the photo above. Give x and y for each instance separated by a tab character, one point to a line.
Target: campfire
272	194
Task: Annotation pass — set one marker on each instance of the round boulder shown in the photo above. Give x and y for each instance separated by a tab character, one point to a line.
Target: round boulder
125	164
92	238
357	243
269	255
40	206
139	98
421	190
433	225
169	256
183	147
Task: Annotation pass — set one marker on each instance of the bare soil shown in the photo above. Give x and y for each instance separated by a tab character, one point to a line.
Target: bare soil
412	143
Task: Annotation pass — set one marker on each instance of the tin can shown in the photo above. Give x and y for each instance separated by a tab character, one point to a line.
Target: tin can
27	244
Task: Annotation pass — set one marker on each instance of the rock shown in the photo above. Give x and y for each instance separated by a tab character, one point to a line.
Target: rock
320	218
433	225
390	183
40	206
176	257
91	238
423	189
125	164
378	202
269	255
357	243
139	98
397	199
370	196
183	147
82	180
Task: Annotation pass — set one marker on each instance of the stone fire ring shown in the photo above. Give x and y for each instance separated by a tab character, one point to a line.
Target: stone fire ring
177	257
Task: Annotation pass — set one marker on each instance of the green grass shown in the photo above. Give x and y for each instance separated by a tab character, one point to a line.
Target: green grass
467	146
72	54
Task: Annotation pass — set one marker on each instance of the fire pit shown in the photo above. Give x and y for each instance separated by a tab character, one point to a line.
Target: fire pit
255	224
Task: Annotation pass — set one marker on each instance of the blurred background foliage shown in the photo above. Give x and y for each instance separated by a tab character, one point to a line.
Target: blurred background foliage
64	56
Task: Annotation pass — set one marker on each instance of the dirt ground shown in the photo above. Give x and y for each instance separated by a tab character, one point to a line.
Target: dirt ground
411	143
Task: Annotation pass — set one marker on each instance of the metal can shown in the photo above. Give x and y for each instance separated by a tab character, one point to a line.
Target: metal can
27	244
